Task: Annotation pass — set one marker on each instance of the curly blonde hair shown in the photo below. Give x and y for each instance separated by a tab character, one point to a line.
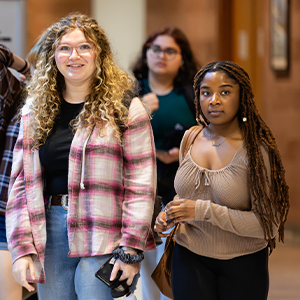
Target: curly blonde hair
111	89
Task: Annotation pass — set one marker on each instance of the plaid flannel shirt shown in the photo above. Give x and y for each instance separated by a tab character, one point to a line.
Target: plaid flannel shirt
115	206
10	87
6	162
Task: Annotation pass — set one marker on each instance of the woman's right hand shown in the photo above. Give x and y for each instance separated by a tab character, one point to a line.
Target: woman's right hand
161	225
151	101
19	271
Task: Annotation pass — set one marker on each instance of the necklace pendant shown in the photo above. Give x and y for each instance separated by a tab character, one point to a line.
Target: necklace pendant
215	145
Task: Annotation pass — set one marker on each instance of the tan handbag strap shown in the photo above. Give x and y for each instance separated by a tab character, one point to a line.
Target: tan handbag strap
189	137
171	236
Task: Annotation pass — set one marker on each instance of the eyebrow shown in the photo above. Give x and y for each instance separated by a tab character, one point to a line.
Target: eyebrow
221	86
77	44
164	48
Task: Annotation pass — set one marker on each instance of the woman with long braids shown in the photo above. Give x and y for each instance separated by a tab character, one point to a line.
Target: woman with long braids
83	178
232	199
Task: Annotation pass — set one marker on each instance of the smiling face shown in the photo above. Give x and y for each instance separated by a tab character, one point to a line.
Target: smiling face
160	65
219	98
76	69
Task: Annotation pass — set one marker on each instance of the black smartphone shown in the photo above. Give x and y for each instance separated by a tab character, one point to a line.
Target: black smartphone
104	273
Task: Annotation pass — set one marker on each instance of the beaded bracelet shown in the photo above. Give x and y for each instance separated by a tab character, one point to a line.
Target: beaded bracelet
126	257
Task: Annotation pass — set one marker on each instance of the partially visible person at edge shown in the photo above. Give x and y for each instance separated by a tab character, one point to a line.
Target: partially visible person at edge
165	71
232	199
83	177
10	99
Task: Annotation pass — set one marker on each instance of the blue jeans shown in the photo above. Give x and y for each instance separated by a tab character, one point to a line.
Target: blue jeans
70	278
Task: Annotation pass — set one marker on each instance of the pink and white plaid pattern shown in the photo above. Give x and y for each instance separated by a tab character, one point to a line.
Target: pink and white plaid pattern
114	209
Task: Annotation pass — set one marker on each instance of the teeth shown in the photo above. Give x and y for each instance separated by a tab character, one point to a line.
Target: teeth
75	66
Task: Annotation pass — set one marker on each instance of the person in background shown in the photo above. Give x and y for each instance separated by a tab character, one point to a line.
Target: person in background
84	175
232	198
165	71
10	99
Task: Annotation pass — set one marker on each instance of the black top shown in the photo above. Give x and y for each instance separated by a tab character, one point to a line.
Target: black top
54	154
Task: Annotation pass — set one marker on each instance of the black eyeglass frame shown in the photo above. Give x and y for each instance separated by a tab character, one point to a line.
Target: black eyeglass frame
170	53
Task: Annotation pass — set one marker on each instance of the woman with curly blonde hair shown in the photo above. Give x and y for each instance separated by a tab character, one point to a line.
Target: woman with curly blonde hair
83	177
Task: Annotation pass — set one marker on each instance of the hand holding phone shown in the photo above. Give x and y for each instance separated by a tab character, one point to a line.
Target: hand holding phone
105	271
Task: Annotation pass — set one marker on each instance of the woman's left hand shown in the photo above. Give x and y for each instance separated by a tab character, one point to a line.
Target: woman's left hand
129	271
181	210
161	225
168	157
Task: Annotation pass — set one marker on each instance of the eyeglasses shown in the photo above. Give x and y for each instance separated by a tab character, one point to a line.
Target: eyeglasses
67	50
170	53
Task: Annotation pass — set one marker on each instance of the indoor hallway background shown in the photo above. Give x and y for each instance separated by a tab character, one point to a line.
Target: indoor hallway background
236	30
284	270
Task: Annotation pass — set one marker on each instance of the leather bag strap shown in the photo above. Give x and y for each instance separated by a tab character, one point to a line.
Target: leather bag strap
189	137
171	236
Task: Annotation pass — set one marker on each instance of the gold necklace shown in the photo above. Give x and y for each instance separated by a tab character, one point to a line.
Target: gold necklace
226	137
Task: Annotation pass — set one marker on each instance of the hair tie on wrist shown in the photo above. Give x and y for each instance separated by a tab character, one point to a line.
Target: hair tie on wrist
24	68
126	257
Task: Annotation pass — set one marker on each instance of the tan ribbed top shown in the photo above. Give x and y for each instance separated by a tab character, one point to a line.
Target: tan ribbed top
226	224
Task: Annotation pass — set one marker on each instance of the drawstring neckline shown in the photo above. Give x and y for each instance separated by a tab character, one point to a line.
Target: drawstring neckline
83	159
206	178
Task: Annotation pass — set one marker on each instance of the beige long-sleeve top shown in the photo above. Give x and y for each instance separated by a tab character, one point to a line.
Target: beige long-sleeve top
226	223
